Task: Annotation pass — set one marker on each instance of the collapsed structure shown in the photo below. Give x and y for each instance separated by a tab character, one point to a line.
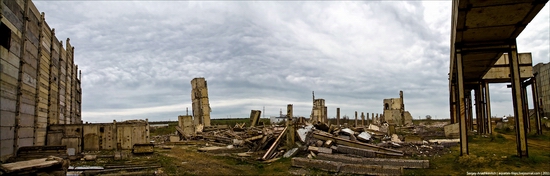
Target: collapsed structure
319	110
40	83
394	111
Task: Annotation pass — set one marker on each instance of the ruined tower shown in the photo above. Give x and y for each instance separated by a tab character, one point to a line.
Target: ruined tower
201	105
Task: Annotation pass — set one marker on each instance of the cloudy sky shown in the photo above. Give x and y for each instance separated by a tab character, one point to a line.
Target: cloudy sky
138	58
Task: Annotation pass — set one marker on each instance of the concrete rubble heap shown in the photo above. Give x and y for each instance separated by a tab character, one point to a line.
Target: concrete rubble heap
315	143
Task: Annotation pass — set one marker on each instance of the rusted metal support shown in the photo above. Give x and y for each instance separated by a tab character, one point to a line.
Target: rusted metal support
488	108
538	124
521	137
461	103
337	116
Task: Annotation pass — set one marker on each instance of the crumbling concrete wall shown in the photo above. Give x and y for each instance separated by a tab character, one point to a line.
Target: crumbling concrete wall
201	105
543	86
318	113
100	136
185	122
394	111
39	84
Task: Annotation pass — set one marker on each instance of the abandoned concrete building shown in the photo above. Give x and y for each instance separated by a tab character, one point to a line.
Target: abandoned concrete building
100	136
40	83
394	111
542	76
201	105
319	110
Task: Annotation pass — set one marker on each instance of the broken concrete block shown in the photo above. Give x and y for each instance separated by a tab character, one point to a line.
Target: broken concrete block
405	163
328	143
174	138
290	153
364	136
370	170
395	138
374	127
90	157
356	151
329	166
452	130
302	132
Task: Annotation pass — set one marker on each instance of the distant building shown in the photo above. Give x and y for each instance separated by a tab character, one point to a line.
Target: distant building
542	72
275	119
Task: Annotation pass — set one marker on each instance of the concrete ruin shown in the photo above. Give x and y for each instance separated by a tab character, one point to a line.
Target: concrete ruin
319	110
201	105
40	83
542	76
100	136
394	111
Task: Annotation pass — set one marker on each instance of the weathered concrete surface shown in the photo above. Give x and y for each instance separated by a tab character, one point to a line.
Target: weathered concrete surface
356	151
329	166
452	130
405	163
201	104
343	168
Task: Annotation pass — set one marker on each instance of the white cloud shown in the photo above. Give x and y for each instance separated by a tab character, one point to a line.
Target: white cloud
138	58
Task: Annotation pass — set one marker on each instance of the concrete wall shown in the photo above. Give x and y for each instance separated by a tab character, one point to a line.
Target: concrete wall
501	69
201	105
100	136
39	84
543	86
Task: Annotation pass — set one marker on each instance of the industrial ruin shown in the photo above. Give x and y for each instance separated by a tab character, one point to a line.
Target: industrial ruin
42	132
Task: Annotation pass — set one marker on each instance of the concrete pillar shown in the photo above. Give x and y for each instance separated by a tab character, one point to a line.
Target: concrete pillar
337	116
325	115
373	120
478	105
355	118
488	108
452	102
470	111
461	103
483	107
538	125
521	136
362	119
290	125
368	123
527	120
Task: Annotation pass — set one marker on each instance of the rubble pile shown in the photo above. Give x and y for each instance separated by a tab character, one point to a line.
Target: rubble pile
334	148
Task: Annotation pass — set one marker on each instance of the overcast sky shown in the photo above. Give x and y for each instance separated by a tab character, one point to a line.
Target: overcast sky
138	58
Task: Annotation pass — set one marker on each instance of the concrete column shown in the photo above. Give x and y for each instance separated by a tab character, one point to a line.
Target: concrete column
373	120
488	108
461	103
478	105
337	116
355	118
290	124
368	123
325	115
483	108
362	119
527	120
521	137
538	124
452	99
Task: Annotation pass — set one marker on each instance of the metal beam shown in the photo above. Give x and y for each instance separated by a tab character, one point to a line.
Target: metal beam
461	114
521	137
